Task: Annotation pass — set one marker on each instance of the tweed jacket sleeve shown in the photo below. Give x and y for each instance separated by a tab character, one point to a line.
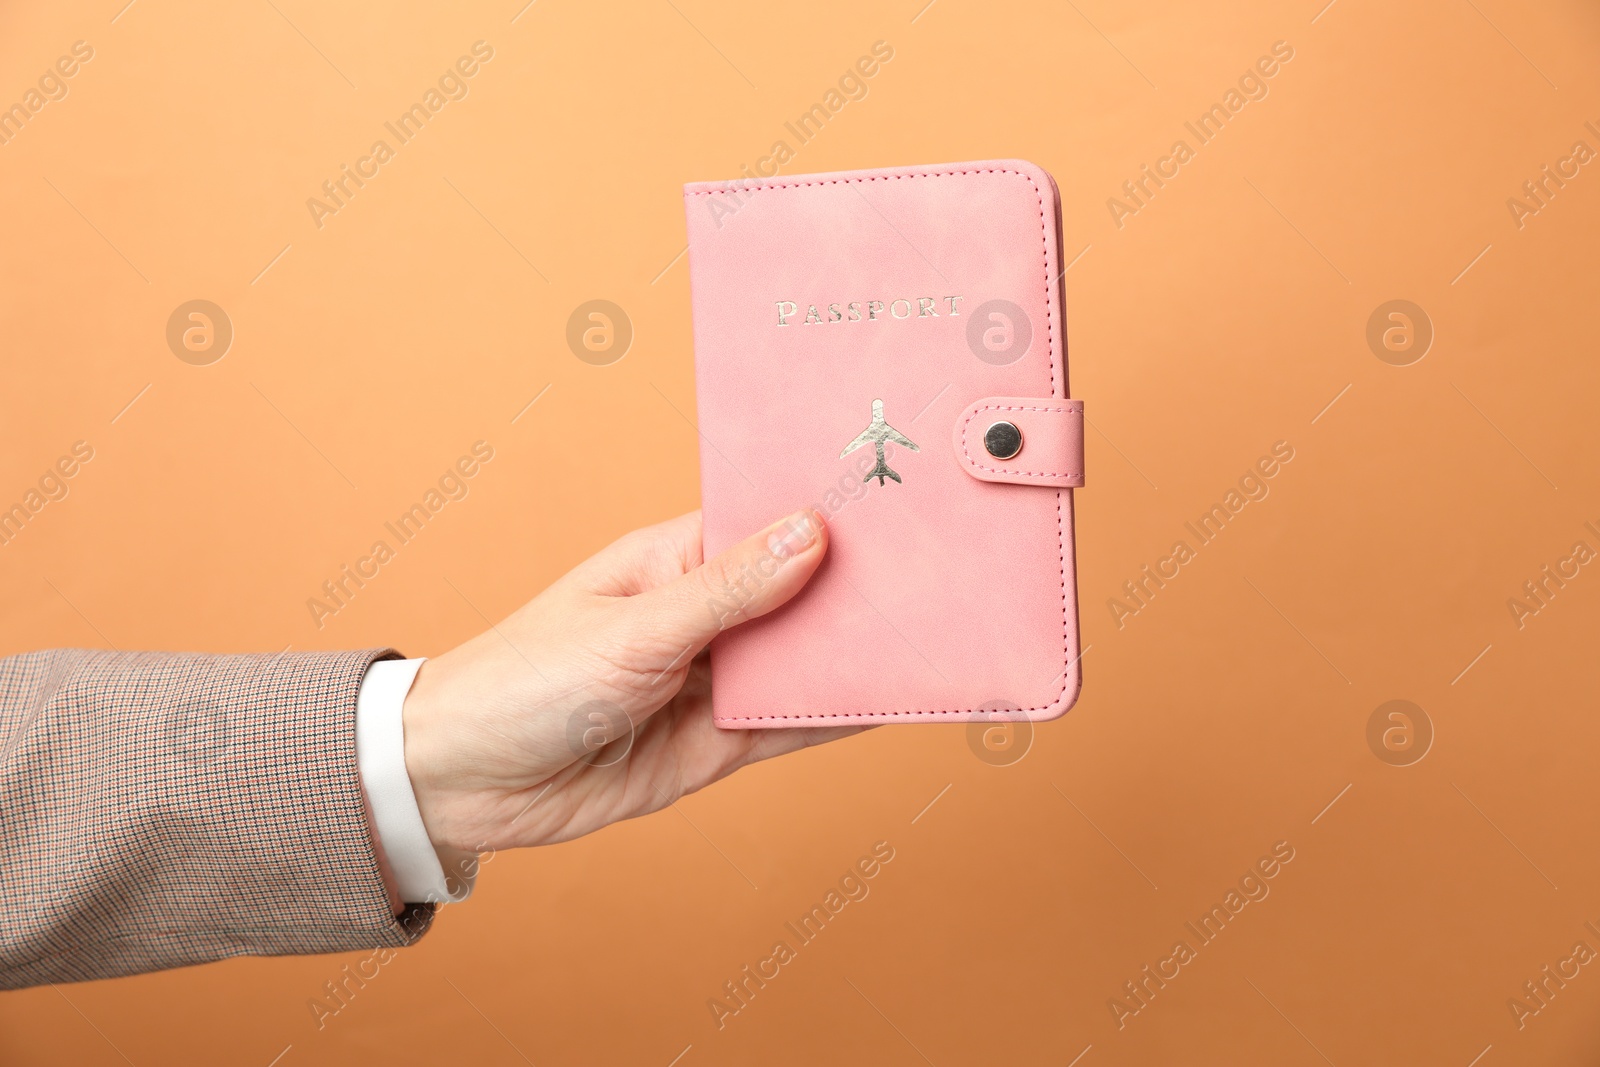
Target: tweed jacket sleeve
158	810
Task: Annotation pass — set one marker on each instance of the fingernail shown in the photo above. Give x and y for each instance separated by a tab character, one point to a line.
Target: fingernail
794	535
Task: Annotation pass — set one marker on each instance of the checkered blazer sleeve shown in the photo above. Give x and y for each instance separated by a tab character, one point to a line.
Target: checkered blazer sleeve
158	810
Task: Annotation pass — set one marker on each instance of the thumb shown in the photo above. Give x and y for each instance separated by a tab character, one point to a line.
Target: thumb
744	582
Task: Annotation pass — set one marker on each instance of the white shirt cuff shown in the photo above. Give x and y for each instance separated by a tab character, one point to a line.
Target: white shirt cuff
422	873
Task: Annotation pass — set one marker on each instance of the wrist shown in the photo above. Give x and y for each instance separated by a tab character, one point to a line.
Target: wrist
419	717
412	863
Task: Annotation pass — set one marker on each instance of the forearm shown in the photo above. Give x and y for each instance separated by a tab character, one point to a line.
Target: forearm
158	810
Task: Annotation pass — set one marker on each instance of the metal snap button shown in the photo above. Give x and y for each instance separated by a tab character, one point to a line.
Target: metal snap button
1003	440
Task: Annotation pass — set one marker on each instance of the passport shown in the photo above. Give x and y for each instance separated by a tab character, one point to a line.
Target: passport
889	348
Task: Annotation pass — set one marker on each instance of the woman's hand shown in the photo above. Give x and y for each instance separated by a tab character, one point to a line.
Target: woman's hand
592	703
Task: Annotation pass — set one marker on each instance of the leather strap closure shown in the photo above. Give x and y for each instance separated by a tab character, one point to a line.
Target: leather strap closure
1052	441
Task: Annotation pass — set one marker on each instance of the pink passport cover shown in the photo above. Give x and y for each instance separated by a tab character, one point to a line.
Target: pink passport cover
949	594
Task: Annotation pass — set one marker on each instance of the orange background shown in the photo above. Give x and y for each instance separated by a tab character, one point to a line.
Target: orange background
1226	315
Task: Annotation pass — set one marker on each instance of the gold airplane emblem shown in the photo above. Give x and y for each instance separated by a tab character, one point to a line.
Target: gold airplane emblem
878	432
